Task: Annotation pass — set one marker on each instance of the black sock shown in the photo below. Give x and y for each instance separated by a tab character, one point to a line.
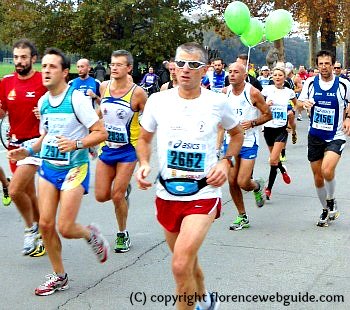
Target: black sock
257	189
283	152
280	167
272	176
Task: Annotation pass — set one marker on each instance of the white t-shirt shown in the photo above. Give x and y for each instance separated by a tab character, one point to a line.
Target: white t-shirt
82	108
280	99
186	136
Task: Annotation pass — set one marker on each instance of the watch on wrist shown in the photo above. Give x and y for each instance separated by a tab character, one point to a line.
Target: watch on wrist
253	123
231	160
79	144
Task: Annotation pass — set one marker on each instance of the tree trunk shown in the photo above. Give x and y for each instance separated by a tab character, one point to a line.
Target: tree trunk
346	52
313	29
279	44
328	39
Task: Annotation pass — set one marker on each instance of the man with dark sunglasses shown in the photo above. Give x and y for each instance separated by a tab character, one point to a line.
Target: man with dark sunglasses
338	70
188	193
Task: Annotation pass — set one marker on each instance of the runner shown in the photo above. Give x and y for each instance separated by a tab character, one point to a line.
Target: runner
19	95
6	199
326	96
188	193
252	111
275	131
66	119
121	103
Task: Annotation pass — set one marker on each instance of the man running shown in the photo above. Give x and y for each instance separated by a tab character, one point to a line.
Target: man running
67	117
19	95
89	86
188	194
173	81
252	111
121	103
326	96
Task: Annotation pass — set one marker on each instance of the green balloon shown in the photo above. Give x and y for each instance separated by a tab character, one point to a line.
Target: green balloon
254	34
278	24
237	17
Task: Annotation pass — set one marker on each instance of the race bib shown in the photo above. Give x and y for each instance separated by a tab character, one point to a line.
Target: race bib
279	115
50	152
187	156
323	119
117	136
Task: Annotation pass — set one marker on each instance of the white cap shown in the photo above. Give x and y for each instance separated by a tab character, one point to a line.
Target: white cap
263	68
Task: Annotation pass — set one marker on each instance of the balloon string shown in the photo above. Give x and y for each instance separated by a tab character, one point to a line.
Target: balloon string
246	69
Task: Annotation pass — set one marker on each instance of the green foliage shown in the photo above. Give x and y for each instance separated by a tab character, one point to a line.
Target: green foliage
149	29
296	49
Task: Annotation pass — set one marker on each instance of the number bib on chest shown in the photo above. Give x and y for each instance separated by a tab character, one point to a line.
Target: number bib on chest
323	119
117	136
188	156
49	151
279	115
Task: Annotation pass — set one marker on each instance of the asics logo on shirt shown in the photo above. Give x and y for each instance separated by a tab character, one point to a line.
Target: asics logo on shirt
30	94
186	145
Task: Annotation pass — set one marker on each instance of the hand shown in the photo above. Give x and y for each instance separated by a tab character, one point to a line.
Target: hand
17	154
246	124
36	112
65	145
269	103
141	175
217	175
90	93
346	126
308	104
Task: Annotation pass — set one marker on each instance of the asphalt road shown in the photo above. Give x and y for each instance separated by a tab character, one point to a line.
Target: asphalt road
283	256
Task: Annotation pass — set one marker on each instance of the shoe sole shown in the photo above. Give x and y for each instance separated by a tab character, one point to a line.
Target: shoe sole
63	288
335	216
38	253
239	227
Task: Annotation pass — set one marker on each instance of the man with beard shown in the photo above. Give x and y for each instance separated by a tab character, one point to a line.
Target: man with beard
216	79
19	95
89	86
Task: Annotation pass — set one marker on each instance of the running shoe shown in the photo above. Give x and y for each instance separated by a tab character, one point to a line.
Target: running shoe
40	248
259	195
215	303
283	158
240	222
122	242
323	221
285	176
30	235
6	199
53	283
267	193
294	137
127	194
333	209
299	118
99	244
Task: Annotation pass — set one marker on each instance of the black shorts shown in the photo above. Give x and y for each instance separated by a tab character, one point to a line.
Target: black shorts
316	147
273	135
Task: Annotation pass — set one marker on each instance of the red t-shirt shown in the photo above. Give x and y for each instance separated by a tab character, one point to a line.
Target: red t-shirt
19	97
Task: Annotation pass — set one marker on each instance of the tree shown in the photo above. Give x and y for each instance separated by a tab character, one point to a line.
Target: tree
149	29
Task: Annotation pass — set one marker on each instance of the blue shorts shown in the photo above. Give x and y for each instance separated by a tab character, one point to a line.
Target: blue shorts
246	152
249	152
66	179
124	154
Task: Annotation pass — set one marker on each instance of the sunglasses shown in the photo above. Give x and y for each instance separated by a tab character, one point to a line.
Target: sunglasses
337	67
195	65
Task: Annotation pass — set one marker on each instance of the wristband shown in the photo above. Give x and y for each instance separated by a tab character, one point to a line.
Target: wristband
30	151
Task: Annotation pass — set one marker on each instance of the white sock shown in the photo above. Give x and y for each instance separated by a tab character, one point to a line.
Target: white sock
322	195
205	302
330	188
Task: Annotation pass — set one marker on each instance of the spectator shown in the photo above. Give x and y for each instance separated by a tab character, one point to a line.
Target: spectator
100	71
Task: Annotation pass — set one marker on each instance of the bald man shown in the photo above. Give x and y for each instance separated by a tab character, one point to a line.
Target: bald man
252	111
89	86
